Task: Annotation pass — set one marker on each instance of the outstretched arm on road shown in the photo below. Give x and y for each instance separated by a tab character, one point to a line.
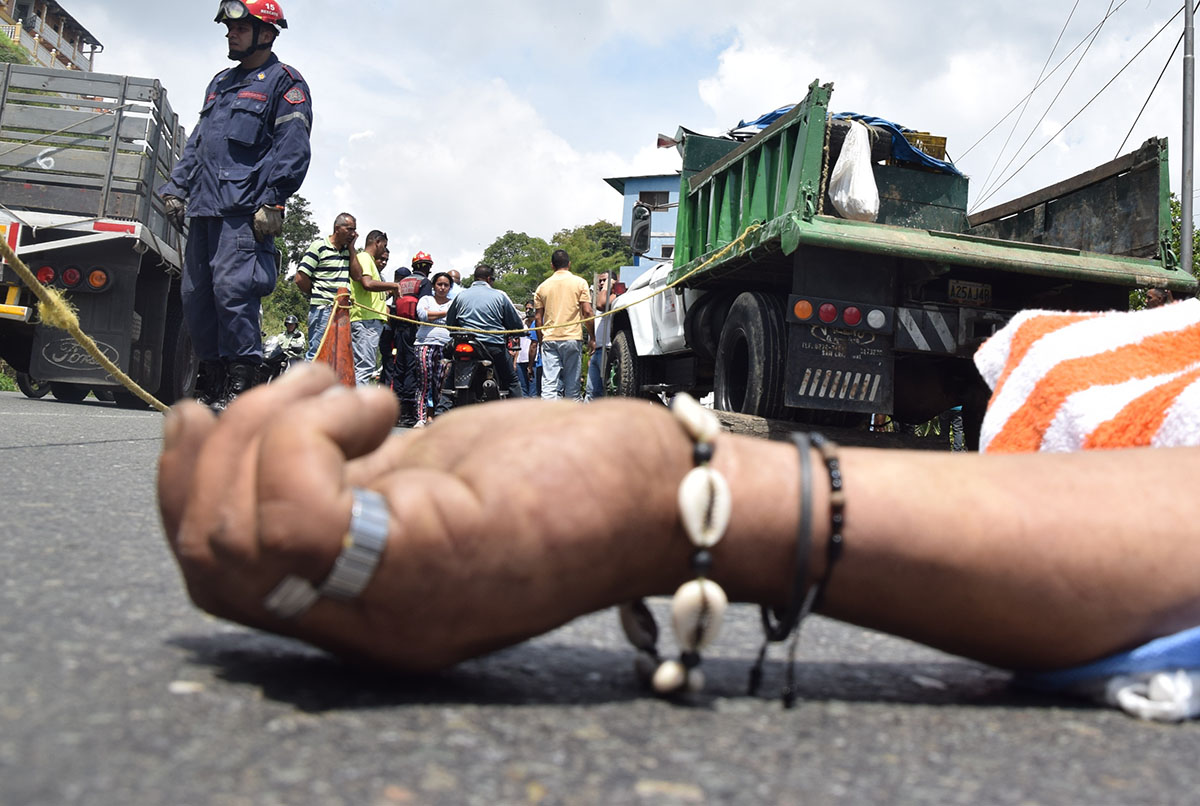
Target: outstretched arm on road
1032	561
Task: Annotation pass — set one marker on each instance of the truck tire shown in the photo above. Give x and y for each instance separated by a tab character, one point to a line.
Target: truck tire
702	329
32	387
180	364
750	357
623	360
69	392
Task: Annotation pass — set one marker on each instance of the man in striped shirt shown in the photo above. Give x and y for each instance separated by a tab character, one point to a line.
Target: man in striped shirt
324	269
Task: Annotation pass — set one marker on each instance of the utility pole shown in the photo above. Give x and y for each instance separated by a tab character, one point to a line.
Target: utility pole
1189	127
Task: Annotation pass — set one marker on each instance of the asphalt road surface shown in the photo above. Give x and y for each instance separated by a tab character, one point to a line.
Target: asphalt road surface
115	690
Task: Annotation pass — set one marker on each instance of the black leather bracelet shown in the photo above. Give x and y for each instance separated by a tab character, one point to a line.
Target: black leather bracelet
787	622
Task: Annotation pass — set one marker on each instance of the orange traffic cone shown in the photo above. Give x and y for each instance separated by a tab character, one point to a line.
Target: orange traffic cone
336	349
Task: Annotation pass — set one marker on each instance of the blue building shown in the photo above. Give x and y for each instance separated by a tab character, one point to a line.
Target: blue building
661	192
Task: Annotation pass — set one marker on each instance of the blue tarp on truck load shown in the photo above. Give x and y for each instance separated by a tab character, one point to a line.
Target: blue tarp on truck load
902	150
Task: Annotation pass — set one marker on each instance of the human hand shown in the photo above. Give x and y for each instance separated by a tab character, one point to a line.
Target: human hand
174	209
268	222
471	569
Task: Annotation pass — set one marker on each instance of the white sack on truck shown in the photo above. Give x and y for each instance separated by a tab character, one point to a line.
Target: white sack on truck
852	185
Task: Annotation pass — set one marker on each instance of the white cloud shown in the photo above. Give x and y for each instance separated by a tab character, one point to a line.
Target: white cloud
476	118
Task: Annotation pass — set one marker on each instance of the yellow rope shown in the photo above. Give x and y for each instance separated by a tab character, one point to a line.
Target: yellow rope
718	255
58	312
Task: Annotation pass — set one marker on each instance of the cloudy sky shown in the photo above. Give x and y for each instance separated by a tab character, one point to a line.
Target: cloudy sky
447	124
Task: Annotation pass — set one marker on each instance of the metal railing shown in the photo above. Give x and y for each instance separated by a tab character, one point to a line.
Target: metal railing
45	46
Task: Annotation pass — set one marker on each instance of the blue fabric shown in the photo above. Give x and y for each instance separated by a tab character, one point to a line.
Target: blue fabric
318	320
1178	651
763	121
483	308
250	146
226	272
561	367
902	150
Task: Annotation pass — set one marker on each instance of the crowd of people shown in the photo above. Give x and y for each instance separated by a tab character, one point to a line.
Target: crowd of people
401	329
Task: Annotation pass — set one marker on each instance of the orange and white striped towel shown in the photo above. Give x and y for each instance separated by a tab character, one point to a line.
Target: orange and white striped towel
1077	381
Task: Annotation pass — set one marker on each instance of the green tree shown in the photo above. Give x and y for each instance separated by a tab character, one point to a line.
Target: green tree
592	248
1137	297
299	230
522	261
12	53
604	233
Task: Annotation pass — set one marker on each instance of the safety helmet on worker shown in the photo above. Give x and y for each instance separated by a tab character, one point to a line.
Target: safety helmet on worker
422	257
291	320
266	11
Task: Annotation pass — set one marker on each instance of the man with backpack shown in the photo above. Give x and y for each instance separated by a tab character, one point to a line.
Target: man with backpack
411	289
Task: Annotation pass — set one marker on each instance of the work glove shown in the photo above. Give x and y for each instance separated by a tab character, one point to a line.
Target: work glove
173	208
268	222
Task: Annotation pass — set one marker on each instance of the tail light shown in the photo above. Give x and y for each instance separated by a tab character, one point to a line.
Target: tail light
97	279
46	275
464	349
832	312
71	276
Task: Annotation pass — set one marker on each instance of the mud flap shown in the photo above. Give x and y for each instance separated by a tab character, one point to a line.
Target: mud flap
830	369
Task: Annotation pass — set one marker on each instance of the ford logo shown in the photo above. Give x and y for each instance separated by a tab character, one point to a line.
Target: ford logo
68	354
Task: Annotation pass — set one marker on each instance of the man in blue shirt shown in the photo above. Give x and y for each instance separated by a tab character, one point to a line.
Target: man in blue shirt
483	308
247	155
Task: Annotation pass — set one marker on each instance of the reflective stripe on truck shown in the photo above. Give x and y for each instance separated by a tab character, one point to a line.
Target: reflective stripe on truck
10	309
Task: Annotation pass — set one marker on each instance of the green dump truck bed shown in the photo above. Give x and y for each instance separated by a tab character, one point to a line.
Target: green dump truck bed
1110	225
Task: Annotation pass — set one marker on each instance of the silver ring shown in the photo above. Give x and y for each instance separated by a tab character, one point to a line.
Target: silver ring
290	598
361	549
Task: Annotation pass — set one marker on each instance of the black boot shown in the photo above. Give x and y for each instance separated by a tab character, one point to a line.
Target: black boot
242	376
408	414
210	383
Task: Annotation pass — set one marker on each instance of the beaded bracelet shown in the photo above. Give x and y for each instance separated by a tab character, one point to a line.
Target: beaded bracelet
837	513
698	606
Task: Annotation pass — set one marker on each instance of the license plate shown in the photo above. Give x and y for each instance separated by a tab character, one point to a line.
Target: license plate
965	293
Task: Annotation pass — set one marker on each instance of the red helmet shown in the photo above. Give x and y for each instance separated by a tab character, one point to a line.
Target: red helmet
268	11
422	257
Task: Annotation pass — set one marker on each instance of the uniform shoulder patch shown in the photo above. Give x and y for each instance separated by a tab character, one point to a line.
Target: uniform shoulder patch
295	96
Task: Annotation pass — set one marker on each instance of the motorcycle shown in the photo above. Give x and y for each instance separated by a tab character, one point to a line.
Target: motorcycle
275	361
473	377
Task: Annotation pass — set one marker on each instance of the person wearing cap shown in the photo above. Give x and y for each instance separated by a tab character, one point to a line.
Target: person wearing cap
247	155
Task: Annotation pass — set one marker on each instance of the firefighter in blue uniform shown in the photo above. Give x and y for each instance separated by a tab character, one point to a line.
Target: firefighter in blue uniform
248	153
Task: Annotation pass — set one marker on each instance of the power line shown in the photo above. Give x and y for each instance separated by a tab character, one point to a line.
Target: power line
996	125
1029	97
1057	95
1085	106
1152	89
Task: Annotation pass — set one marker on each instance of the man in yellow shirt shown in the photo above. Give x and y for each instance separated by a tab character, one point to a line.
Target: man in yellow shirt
368	311
562	299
